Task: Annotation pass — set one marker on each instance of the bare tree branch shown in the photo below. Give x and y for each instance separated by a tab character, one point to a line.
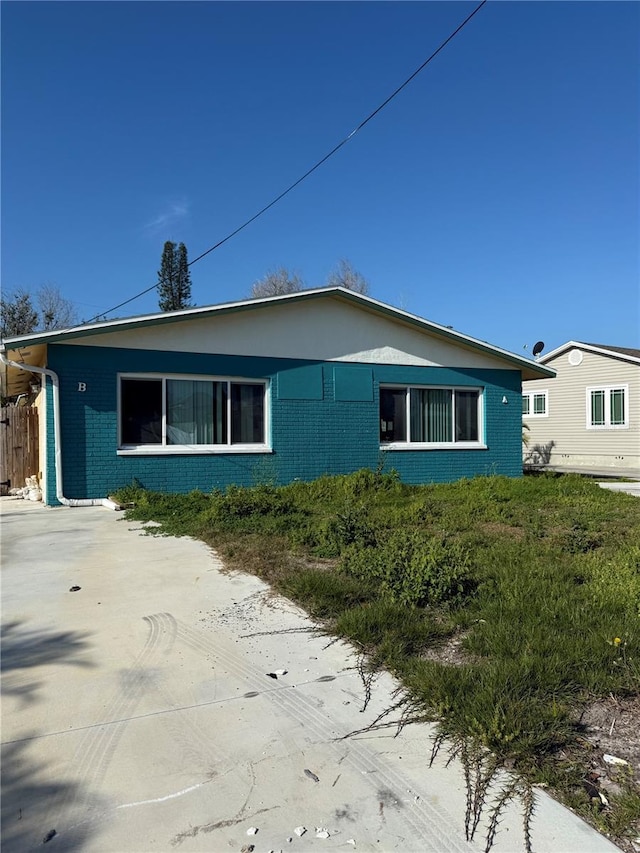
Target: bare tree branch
345	275
277	282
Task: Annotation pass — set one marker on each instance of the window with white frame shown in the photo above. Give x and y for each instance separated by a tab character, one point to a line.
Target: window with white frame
412	417
535	404
608	407
175	413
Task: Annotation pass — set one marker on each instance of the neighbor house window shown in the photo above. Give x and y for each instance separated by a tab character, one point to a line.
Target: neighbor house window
535	404
193	414
430	417
608	407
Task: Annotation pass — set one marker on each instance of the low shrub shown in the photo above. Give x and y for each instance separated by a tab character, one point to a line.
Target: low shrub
414	568
240	502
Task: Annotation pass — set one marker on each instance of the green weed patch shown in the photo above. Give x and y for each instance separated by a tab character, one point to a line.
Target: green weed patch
534	582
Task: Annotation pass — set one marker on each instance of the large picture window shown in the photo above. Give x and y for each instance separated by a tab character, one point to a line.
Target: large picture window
430	417
193	414
608	407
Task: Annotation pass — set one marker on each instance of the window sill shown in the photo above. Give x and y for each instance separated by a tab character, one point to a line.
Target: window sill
434	445
607	427
193	450
536	416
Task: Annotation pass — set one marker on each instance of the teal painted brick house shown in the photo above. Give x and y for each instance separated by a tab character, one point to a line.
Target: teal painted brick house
319	382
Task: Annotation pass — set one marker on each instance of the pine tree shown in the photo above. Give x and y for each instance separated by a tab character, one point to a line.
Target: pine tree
17	314
174	278
183	283
166	282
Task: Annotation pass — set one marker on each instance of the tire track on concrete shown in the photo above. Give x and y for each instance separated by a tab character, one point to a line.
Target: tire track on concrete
430	824
192	742
98	746
93	755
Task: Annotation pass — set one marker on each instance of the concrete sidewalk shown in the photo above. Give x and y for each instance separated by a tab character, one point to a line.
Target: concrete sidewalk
628	488
610	472
138	714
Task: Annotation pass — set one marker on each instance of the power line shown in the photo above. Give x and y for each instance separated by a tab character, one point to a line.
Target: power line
310	171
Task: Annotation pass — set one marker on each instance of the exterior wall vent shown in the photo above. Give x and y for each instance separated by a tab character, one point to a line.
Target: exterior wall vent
575	357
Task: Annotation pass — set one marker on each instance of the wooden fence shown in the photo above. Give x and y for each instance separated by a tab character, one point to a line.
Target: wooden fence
18	446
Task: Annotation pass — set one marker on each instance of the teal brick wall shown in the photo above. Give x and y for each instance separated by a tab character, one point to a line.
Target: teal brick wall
309	437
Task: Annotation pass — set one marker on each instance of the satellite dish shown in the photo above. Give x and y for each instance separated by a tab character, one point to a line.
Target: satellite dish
538	347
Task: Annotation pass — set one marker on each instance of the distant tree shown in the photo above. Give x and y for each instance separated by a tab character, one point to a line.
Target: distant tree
184	277
56	312
344	275
166	277
174	278
276	283
280	281
17	314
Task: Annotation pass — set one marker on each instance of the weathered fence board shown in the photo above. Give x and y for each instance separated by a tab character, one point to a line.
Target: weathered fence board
18	446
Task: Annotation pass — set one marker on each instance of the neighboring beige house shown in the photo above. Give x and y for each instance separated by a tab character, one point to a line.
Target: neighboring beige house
588	417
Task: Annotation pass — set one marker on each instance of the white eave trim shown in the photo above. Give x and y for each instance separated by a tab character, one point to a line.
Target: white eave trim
530	367
621	356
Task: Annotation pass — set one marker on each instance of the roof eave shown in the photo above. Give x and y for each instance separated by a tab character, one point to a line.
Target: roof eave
530	370
158	318
589	348
537	370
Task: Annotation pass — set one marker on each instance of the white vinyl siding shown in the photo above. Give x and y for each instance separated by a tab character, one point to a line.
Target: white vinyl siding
575	443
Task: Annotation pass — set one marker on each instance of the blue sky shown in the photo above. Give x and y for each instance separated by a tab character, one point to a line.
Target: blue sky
498	193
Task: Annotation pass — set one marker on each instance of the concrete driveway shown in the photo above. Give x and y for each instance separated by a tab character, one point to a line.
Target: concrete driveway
138	714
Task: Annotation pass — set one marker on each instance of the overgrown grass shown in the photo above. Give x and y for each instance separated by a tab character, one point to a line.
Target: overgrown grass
536	579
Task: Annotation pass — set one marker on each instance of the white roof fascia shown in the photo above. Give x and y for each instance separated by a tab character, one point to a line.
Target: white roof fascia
589	348
208	310
430	325
112	325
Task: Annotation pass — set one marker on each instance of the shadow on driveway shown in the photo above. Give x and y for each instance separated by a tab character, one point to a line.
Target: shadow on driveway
24	649
29	794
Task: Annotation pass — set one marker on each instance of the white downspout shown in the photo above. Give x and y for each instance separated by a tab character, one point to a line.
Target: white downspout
57	436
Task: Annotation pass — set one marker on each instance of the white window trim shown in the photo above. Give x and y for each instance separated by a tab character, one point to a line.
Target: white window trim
531	395
607	425
194	449
433	445
436	445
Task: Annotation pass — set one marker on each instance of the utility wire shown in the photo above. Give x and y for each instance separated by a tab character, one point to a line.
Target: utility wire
310	171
